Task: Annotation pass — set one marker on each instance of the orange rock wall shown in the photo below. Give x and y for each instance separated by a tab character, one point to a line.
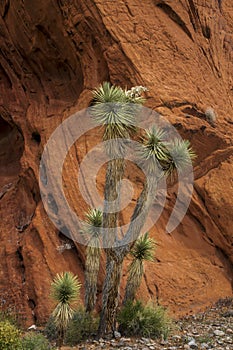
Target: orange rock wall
53	53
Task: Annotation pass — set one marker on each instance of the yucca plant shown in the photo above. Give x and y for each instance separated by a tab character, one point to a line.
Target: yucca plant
160	158
91	227
143	250
181	155
65	291
114	109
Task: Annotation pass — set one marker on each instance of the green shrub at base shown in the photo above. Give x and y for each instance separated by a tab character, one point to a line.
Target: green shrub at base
83	326
50	330
9	336
35	341
150	320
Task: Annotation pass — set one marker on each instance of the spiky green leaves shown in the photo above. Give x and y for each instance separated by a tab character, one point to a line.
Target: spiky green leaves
65	288
113	110
93	223
143	248
181	155
152	152
158	155
153	144
62	315
106	93
94	217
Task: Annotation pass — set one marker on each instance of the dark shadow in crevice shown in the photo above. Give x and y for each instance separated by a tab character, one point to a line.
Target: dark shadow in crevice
175	18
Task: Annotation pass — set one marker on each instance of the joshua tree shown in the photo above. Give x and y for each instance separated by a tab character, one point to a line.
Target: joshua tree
115	110
117	117
65	291
142	251
92	228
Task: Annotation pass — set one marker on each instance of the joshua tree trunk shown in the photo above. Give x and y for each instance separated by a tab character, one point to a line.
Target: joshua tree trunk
115	172
134	280
91	275
114	175
140	214
110	295
115	258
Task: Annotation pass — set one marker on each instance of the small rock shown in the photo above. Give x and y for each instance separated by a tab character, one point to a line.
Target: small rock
219	333
192	344
145	340
229	331
228	313
125	339
32	328
117	335
228	340
120	343
176	337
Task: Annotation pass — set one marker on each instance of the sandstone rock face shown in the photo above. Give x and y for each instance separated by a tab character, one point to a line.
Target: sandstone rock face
53	53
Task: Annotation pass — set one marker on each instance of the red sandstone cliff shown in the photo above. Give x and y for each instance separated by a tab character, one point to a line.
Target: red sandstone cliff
53	53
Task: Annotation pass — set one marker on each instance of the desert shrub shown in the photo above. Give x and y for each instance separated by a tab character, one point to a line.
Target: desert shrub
50	330
13	315
83	326
9	336
146	321
5	315
35	341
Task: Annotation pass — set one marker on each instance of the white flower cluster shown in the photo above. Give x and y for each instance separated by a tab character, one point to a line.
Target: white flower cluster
136	91
64	246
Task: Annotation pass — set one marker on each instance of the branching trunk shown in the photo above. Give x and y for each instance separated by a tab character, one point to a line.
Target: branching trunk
115	258
139	216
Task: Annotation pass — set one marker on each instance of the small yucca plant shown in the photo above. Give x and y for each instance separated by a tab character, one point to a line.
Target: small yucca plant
65	291
143	250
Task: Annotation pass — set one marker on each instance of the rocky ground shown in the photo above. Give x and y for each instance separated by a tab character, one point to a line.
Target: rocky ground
212	329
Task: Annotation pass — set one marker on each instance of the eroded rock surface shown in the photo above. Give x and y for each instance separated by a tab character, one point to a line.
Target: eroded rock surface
52	55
